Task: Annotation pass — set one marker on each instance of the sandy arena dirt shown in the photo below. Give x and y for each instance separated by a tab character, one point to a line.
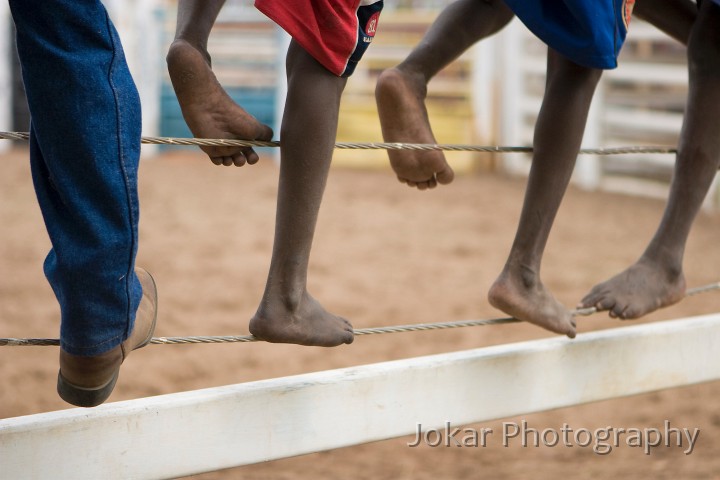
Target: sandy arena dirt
384	254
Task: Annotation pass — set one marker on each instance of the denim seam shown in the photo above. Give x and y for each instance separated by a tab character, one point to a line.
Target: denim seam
121	156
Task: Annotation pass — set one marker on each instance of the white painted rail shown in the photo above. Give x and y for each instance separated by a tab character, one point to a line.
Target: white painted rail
180	434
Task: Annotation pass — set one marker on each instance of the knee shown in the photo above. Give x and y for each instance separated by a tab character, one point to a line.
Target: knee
563	69
704	58
588	77
502	14
704	44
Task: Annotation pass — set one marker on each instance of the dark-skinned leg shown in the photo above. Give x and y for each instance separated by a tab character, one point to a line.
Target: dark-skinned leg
401	91
518	290
206	107
287	312
674	17
656	280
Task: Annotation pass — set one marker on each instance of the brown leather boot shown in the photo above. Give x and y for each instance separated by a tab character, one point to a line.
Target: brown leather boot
89	381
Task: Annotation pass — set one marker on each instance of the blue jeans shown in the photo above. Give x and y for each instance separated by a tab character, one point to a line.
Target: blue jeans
84	154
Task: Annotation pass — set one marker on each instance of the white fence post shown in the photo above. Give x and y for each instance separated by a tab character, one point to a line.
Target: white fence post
485	64
712	201
512	94
6	91
587	172
140	27
283	42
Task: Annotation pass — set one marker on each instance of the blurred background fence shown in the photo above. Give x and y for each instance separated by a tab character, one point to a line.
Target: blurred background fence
489	96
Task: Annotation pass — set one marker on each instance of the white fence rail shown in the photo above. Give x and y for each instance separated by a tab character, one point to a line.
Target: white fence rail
185	433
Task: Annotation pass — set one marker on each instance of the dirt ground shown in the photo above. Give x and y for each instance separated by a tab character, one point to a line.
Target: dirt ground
384	254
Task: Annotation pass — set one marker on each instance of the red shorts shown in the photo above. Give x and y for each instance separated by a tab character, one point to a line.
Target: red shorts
335	32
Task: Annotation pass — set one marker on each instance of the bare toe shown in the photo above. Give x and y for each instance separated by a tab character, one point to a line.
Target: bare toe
642	288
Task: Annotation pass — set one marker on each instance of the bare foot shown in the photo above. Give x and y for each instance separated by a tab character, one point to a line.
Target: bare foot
404	119
309	324
531	302
208	110
639	290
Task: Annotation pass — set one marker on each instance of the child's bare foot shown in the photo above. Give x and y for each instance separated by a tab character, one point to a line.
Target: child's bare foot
207	108
531	302
308	324
639	290
404	119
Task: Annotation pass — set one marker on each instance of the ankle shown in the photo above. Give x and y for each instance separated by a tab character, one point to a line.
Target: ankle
289	298
522	275
666	260
667	265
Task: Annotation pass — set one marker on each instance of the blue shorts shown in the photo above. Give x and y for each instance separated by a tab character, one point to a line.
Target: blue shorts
588	32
